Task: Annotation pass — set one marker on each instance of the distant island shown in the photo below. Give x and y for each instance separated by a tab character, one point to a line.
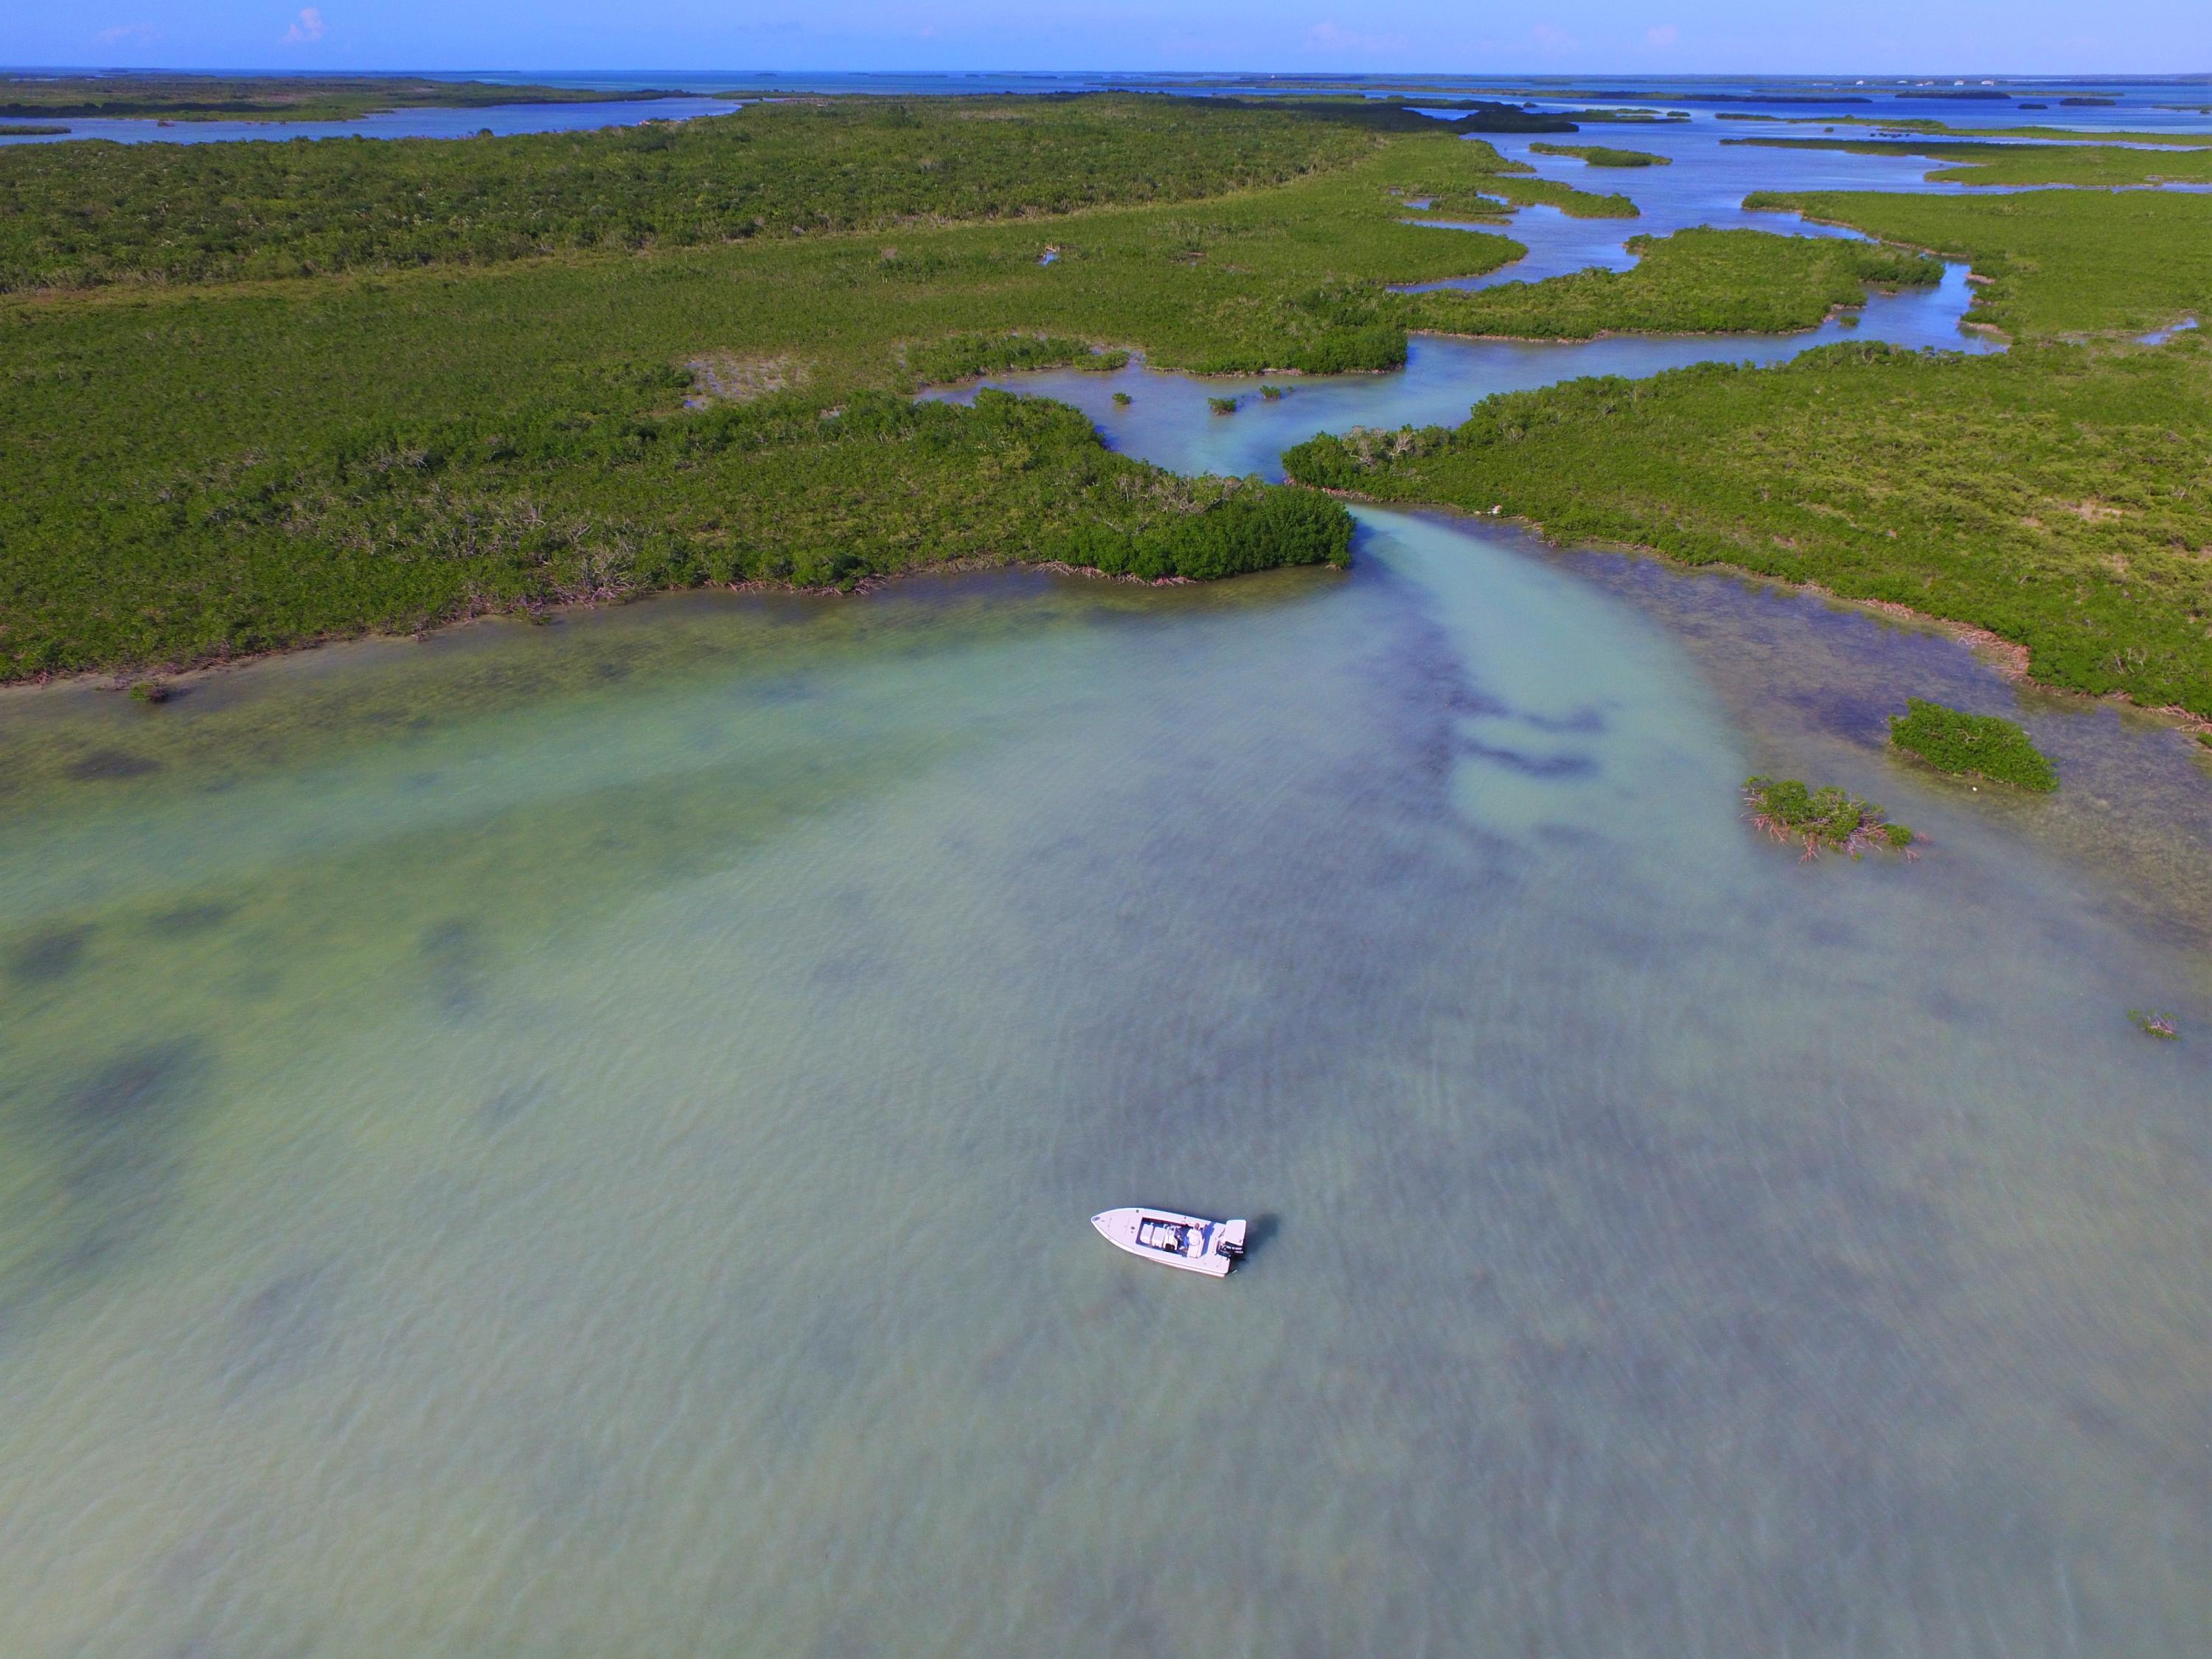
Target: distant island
275	97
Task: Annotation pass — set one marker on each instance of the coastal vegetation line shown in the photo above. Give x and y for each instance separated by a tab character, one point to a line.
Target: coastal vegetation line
2090	166
83	215
196	464
1694	281
1945	129
209	468
2047	263
1604	155
1511	184
2058	495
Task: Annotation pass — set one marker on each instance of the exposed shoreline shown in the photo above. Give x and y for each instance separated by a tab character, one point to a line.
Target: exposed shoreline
2009	657
121	679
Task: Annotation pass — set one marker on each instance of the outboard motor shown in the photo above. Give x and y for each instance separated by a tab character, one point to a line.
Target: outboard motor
1231	1241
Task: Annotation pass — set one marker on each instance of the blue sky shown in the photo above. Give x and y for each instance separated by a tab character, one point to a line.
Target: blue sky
1685	36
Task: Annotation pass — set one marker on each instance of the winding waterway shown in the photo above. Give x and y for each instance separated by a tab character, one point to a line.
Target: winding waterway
577	1139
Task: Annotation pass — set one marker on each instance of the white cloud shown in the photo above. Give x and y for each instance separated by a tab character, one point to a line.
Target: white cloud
307	26
1333	37
1550	39
1664	36
122	32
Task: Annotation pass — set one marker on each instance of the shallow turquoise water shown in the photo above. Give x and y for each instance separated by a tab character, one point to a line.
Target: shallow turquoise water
574	1139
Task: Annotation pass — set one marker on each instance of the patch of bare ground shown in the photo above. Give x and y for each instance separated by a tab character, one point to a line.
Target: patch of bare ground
724	377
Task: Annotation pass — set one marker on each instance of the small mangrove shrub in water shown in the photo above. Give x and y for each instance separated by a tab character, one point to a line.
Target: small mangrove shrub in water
1222	406
1604	155
2155	1022
1827	819
1252	526
1274	394
1122	401
1972	745
1330	461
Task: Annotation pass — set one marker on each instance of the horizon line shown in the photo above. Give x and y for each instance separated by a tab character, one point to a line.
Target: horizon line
1877	77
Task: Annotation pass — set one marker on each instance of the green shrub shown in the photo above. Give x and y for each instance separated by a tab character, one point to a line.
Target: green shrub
1604	155
1255	527
1330	460
1827	819
1972	745
1222	406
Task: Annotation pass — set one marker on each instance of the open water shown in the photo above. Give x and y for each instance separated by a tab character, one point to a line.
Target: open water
578	1140
2180	103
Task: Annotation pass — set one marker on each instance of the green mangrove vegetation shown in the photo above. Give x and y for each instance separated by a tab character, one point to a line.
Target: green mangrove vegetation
425	522
264	393
182	97
200	468
1972	745
2059	497
1917	124
1558	121
83	215
1827	819
2098	166
1764	96
1488	117
1503	186
2049	263
964	356
1602	155
1692	282
1503	190
30	130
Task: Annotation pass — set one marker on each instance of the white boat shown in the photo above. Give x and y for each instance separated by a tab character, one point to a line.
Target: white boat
1190	1242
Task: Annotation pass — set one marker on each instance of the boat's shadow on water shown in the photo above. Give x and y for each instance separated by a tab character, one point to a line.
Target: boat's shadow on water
1259	1232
